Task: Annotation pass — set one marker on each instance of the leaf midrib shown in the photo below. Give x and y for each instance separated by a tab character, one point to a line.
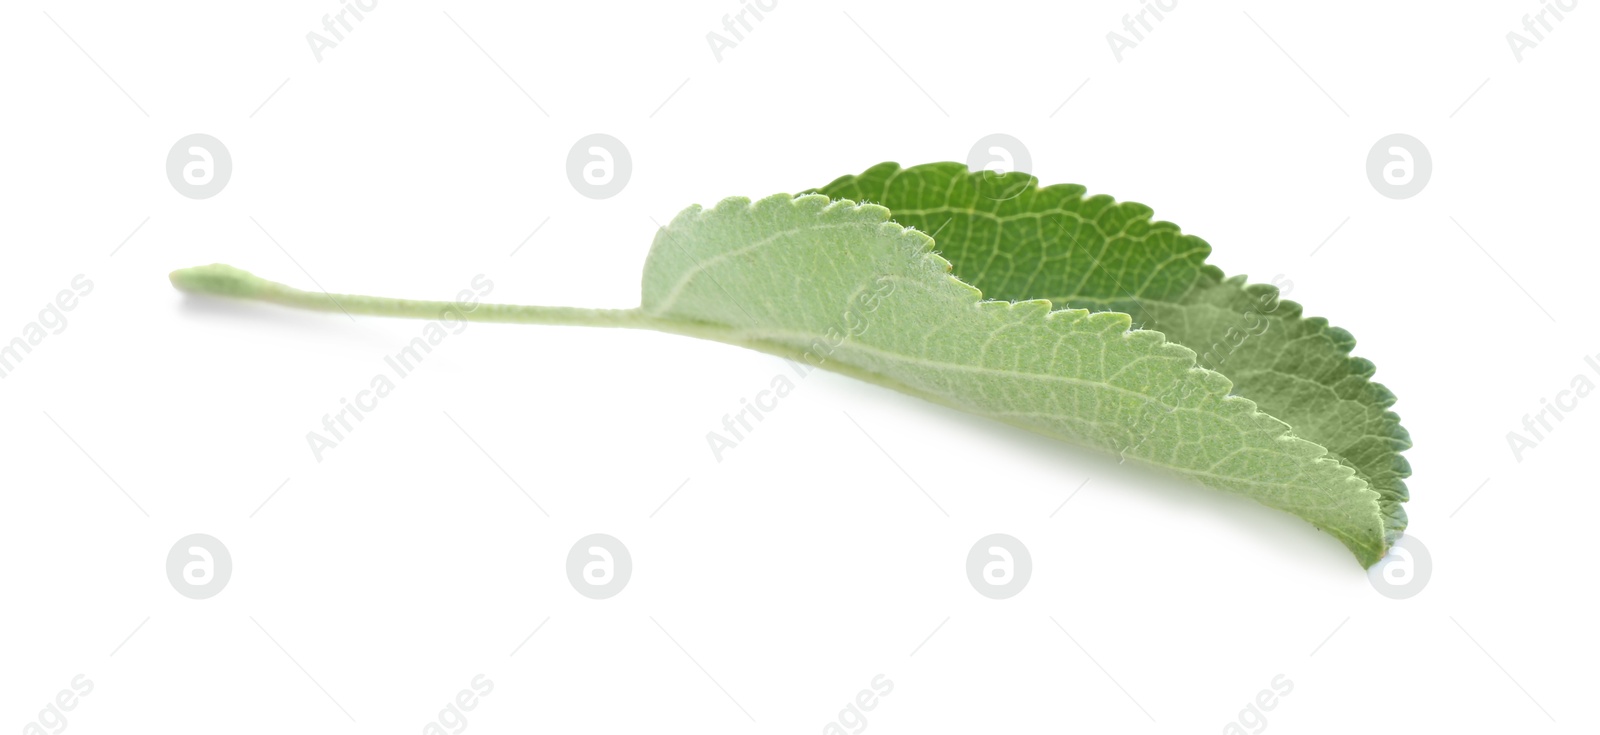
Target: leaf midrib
744	338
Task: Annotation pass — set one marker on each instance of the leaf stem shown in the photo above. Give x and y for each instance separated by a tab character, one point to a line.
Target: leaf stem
226	280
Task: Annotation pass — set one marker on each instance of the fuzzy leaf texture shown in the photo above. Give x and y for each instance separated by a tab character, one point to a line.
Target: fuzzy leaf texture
808	277
1019	307
1015	241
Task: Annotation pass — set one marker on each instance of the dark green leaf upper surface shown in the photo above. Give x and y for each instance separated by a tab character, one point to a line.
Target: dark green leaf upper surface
842	286
1014	240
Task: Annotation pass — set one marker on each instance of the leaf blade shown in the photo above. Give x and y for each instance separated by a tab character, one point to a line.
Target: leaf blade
1104	255
795	274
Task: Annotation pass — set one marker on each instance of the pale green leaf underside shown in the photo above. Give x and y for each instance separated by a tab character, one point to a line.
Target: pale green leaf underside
850	289
1014	241
857	289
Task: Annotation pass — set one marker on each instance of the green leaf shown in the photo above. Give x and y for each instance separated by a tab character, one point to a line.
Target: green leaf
1016	241
858	289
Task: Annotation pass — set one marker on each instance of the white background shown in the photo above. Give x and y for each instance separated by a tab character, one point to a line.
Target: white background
776	584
